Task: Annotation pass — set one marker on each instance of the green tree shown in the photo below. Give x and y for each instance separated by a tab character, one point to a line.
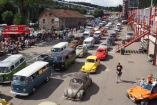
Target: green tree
98	13
7	17
19	19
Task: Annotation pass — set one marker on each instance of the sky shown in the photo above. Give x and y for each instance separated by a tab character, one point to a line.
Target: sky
105	3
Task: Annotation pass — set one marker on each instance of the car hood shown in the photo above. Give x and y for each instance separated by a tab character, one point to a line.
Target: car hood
72	45
73	89
78	52
89	66
99	54
138	90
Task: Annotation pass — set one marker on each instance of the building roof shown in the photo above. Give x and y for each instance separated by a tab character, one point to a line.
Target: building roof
61	13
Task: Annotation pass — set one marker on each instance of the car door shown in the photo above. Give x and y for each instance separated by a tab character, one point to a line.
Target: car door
85	84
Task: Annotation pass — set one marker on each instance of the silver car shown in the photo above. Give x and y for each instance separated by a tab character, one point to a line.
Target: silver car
105	45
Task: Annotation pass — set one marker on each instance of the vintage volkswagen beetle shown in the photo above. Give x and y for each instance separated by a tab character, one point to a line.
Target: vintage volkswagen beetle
91	64
78	85
101	53
70	38
4	102
141	95
81	51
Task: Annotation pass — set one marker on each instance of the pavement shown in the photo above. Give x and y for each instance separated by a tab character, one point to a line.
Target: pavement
103	91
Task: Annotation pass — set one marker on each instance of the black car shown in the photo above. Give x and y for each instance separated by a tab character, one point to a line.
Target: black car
44	57
70	38
97	39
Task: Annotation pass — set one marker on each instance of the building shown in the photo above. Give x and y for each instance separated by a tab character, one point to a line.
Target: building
60	18
90	17
129	5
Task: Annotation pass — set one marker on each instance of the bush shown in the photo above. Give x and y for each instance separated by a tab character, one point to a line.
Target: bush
19	19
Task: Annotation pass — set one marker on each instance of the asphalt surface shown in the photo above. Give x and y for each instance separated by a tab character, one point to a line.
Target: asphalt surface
103	91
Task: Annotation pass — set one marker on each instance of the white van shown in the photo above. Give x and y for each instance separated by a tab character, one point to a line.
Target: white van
89	42
87	34
58	48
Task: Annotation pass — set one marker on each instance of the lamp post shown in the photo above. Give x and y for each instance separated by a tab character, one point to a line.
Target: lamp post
151	3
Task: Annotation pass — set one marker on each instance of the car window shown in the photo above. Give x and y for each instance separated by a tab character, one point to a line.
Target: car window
76	80
90	60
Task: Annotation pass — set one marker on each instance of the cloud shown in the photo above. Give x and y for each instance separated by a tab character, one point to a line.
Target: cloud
105	3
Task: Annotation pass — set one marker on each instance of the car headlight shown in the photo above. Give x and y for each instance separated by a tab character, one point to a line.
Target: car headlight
24	89
82	68
6	77
62	65
93	69
130	90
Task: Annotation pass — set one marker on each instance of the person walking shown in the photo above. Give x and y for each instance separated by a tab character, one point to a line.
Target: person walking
119	71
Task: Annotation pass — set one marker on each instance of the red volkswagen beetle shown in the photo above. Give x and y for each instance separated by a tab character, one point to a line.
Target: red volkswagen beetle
101	53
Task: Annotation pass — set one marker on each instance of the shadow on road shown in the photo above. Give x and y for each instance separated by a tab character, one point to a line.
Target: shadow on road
100	69
44	90
125	81
7	98
108	57
91	91
153	102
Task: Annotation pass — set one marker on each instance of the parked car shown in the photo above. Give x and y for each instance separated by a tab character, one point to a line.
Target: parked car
87	34
89	42
81	51
114	35
141	95
101	53
75	43
98	33
110	41
4	102
97	39
91	64
129	36
44	57
80	38
118	29
104	45
78	85
70	38
82	30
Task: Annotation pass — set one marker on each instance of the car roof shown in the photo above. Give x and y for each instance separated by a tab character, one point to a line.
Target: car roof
80	75
89	39
65	52
97	31
11	60
91	57
79	46
75	40
60	45
31	69
101	48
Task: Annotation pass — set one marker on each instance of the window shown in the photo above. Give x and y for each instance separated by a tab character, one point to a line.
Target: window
21	60
16	64
52	20
43	20
12	67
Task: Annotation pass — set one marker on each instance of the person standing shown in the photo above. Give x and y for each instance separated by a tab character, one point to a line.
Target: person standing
119	71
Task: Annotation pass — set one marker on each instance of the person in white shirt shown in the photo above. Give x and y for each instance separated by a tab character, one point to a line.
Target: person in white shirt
154	82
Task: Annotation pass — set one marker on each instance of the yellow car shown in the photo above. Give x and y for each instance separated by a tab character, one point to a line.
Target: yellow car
4	102
91	64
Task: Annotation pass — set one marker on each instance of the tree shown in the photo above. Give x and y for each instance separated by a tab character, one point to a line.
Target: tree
98	13
7	17
19	19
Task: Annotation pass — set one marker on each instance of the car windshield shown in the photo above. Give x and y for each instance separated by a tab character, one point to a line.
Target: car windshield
85	35
58	59
130	34
87	29
4	70
100	51
71	36
56	50
77	38
20	79
76	80
96	33
90	60
74	42
40	59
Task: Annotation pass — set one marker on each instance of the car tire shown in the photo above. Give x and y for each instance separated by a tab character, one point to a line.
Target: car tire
34	90
144	102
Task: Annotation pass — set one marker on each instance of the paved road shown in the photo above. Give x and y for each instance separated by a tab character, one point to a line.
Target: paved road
104	90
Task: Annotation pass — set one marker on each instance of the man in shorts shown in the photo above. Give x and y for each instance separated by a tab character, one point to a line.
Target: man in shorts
119	71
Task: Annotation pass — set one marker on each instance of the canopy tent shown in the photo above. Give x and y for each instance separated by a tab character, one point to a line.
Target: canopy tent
12	32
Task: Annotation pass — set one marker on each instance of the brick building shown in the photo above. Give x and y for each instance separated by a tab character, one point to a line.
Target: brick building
60	18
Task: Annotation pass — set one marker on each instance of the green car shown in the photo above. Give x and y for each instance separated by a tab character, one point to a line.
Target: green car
81	51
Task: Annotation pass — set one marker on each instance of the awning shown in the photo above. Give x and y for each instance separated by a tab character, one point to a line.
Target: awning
12	32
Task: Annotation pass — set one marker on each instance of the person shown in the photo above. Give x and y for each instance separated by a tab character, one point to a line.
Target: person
22	38
154	82
149	79
142	81
119	71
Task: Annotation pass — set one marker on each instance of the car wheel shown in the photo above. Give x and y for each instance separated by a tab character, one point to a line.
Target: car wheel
34	90
144	102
